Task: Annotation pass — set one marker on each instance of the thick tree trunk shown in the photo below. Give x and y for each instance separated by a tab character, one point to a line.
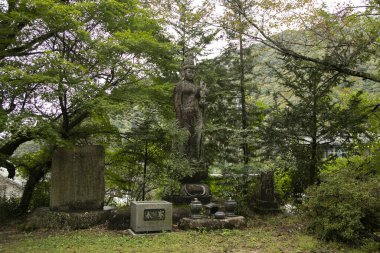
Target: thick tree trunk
35	175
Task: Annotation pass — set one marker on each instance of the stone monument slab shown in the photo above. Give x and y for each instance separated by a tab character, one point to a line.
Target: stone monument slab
77	179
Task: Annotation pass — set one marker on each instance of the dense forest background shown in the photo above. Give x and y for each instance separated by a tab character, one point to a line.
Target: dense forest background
292	81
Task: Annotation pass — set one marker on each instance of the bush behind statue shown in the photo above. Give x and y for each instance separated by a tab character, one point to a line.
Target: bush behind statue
345	206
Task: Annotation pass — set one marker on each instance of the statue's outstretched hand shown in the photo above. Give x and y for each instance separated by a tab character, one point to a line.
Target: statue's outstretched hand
203	92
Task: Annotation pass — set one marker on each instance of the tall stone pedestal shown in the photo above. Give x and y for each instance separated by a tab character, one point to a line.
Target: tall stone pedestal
265	200
77	179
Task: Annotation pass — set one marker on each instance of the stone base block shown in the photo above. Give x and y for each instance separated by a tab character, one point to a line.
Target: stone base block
210	224
44	218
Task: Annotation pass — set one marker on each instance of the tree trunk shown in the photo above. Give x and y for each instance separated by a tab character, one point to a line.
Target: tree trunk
314	143
35	175
244	121
145	169
313	162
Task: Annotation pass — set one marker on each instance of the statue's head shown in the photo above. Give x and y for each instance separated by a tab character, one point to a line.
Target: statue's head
188	68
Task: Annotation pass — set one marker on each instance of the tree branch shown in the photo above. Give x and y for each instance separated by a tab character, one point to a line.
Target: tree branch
278	46
21	50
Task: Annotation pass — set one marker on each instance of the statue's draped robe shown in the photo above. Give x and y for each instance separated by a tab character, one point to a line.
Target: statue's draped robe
189	116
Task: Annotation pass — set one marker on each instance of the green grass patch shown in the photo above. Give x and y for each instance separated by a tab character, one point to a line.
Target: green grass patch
263	234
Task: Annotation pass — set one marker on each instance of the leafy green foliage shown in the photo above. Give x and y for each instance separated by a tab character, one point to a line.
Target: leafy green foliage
59	63
345	205
312	114
230	185
223	110
283	184
188	24
225	131
143	163
41	197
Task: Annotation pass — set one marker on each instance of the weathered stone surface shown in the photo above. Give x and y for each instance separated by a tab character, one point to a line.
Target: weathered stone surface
265	190
44	218
189	101
211	208
195	190
210	224
148	216
77	179
265	199
189	104
189	192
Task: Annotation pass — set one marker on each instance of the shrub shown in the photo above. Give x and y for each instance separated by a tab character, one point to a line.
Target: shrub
283	184
7	207
345	206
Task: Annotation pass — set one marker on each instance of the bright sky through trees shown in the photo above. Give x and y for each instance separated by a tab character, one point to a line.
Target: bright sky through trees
215	47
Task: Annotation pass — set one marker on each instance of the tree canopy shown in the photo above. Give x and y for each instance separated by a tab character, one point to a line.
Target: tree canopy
61	60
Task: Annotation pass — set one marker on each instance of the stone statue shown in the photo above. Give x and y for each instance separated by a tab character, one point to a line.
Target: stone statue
189	102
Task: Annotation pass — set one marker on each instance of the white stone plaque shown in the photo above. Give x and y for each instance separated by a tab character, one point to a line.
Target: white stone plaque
149	216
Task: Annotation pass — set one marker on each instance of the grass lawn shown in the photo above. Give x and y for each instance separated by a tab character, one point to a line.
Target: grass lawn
264	234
